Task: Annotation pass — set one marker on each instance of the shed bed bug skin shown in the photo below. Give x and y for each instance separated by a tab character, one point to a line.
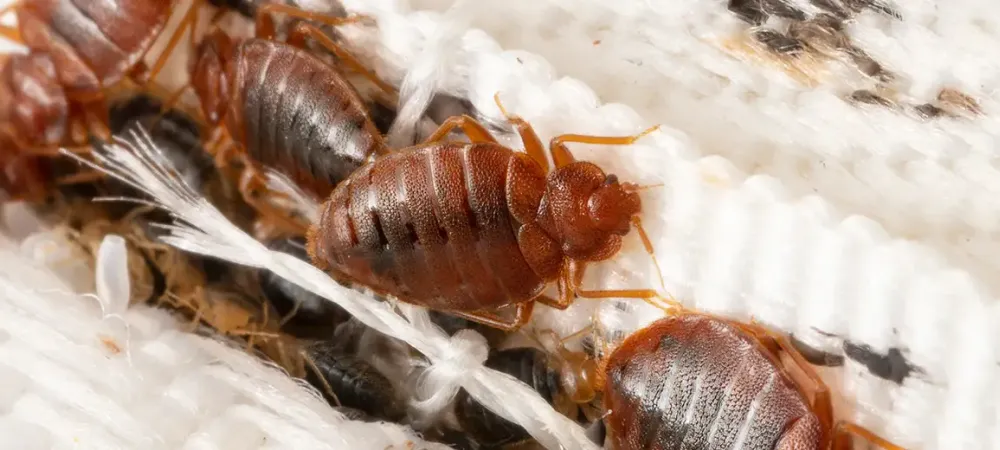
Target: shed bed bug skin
282	107
468	228
891	366
701	382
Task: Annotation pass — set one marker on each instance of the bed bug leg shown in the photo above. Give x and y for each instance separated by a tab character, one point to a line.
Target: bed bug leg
845	433
82	177
572	277
187	24
302	30
532	144
471	127
522	315
254	189
562	156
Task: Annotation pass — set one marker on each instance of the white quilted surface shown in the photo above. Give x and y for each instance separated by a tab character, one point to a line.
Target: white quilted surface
78	371
780	201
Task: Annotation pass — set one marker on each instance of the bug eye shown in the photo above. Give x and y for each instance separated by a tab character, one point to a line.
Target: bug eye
611	179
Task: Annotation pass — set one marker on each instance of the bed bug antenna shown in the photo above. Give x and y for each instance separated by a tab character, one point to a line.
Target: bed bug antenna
648	245
638	188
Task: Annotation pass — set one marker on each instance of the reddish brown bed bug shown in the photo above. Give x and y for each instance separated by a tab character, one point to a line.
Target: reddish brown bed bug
279	106
701	381
468	228
77	52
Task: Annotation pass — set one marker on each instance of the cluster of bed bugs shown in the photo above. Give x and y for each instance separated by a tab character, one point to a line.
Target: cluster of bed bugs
469	229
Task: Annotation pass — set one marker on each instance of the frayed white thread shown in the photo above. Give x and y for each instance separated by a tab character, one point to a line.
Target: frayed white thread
138	162
303	202
423	79
467	350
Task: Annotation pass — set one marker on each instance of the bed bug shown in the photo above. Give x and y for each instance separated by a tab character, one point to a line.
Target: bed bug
701	381
77	52
178	139
315	129
468	228
345	380
176	135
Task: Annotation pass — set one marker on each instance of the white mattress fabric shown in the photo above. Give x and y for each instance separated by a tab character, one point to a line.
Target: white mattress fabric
849	226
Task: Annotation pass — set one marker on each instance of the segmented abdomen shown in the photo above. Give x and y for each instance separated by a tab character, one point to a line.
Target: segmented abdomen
694	382
350	381
430	226
94	43
299	115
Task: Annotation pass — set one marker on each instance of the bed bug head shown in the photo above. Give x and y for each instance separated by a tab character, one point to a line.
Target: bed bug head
208	75
591	210
613	205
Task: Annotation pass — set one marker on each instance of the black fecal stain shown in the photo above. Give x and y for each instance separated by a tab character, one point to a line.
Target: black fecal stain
928	111
869	97
816	356
892	365
756	12
748	10
777	42
878	6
